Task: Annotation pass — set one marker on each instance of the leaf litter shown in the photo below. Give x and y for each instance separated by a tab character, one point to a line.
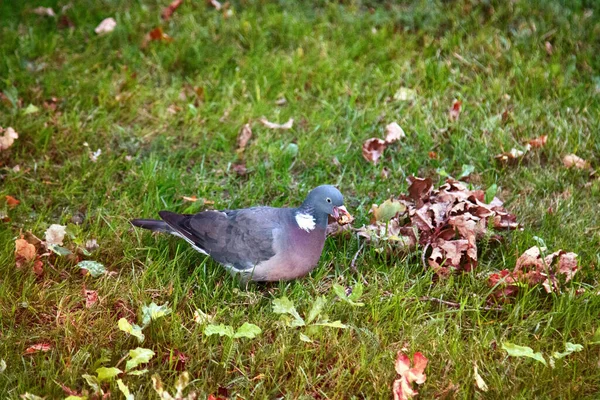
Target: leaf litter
372	149
7	137
403	385
445	222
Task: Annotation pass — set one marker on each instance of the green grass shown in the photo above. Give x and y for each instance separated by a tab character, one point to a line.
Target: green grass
338	65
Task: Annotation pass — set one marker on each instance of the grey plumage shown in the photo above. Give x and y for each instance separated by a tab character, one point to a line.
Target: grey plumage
259	243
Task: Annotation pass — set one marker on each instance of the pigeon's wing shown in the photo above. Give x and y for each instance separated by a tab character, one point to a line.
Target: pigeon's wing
236	238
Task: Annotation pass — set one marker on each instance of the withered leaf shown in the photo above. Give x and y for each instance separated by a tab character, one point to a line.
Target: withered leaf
387	210
402	388
24	250
156	34
512	156
91	297
107	25
372	149
572	160
244	137
393	133
7	137
271	125
37	348
215	4
538	141
454	112
11	201
44	11
168	11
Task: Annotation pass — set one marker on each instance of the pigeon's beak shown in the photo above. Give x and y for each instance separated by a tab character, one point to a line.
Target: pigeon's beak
335	213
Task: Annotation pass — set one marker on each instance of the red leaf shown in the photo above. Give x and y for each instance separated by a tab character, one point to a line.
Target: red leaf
11	201
38	347
372	149
455	110
168	11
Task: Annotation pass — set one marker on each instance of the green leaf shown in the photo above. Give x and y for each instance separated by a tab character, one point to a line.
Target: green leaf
138	356
357	291
522	351
152	312
283	305
388	209
93	382
221	330
569	348
125	390
61	251
247	330
596	337
133	330
138	372
107	374
316	309
467	170
341	293
490	193
334	324
93	267
305	338
30	109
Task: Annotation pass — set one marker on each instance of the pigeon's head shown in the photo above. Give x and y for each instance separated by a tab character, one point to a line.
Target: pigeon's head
324	199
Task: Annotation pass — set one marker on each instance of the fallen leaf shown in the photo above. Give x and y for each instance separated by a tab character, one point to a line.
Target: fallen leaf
157	34
479	382
244	137
107	25
44	11
454	112
569	349
192	198
138	356
432	155
132	329
572	160
512	156
7	138
37	348
215	4
281	101
24	251
538	141
272	125
522	351
344	216
168	11
372	149
393	133
91	297
548	47
11	201
94	155
91	245
402	387
240	169
94	268
55	234
405	94
387	210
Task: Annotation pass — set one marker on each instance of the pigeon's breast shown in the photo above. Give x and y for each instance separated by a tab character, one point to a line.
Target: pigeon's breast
297	253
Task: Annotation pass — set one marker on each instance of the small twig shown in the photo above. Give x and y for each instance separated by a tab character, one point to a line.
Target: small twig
353	263
456	305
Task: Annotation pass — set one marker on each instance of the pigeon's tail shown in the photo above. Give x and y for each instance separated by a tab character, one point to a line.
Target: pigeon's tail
154	225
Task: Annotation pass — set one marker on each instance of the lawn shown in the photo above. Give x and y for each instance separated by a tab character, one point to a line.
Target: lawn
166	115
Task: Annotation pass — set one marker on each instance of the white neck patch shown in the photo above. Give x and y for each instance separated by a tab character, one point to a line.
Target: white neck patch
305	221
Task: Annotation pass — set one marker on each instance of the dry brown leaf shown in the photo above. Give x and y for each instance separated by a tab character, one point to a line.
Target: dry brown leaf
455	110
538	141
572	160
372	149
191	198
272	125
11	201
91	297
156	34
44	11
24	251
7	138
548	47
168	11
37	348
107	25
393	133
432	155
244	137
240	169
479	382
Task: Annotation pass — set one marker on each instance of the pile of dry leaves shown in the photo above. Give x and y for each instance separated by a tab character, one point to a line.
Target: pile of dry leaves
532	268
446	222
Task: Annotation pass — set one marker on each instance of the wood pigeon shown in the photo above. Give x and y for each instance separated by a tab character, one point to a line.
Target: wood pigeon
259	243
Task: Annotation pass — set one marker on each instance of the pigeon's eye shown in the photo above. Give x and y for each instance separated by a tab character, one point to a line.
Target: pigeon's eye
328	200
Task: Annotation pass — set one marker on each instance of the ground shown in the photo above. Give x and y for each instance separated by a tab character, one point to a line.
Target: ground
521	69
